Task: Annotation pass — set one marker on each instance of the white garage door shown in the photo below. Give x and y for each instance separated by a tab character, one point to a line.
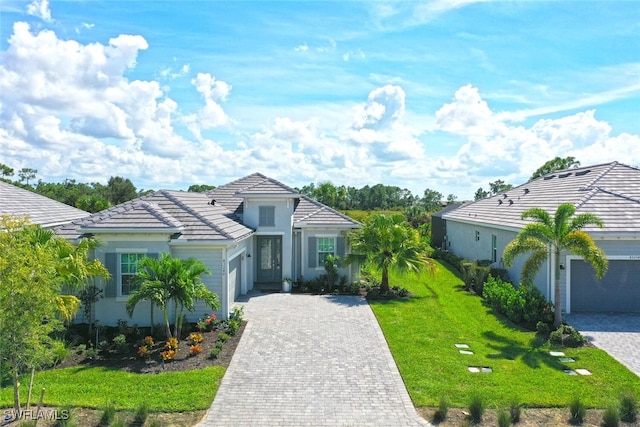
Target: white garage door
618	291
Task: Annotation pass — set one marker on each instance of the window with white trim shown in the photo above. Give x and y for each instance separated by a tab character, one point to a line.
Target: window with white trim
267	216
326	246
128	269
494	248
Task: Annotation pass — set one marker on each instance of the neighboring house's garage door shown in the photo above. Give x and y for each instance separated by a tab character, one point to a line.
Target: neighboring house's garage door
618	291
235	277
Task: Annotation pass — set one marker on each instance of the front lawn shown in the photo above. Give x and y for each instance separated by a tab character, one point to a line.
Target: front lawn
94	387
422	333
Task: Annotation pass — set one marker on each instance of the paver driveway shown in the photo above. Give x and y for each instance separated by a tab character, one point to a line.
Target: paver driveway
309	360
617	334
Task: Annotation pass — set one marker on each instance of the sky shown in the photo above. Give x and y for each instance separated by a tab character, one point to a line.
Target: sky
447	95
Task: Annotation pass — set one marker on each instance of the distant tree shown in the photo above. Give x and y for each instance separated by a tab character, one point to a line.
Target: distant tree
499	186
547	234
326	193
200	188
556	164
27	174
417	215
481	194
431	200
451	198
5	170
120	190
92	203
389	242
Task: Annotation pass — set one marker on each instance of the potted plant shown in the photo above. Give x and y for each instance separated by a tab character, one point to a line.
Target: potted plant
286	284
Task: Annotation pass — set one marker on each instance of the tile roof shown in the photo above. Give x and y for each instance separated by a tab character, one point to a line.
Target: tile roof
16	201
307	212
611	191
187	213
202	217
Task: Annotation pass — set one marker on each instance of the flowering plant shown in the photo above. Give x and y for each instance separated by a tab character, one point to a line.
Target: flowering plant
207	323
143	351
195	349
172	343
148	341
168	355
195	337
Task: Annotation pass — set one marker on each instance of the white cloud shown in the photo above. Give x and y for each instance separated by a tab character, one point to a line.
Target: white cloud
40	8
301	48
353	54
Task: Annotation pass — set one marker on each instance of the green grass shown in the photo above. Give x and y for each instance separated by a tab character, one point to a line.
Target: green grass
422	332
93	387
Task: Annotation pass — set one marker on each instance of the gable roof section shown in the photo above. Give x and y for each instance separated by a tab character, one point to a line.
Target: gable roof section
611	191
308	212
188	215
16	201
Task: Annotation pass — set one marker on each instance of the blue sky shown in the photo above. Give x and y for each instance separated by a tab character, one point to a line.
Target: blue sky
446	95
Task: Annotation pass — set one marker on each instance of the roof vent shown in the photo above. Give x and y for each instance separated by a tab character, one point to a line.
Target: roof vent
564	175
584	172
212	202
526	191
510	202
499	201
504	196
548	177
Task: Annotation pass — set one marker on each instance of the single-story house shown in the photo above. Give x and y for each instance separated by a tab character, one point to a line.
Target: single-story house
253	231
481	230
18	202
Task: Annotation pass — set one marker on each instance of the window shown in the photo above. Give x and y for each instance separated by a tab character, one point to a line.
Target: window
494	248
128	268
267	216
326	246
477	236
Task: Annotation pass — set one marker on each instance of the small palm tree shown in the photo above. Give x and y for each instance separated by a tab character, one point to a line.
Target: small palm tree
389	242
169	279
547	234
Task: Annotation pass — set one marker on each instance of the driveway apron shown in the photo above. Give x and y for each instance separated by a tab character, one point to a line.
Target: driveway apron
617	334
310	360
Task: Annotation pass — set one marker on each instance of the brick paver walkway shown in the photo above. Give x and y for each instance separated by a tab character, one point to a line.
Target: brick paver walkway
617	334
308	360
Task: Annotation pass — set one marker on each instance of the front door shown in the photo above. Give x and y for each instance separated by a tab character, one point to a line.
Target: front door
269	259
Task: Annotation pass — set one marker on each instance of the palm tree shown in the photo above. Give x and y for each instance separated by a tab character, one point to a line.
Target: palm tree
165	279
389	242
552	235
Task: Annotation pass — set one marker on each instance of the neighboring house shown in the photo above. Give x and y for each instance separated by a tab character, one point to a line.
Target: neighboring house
18	202
482	229
439	226
252	231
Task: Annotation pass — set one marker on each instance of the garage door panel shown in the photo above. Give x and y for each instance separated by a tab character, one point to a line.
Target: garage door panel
618	291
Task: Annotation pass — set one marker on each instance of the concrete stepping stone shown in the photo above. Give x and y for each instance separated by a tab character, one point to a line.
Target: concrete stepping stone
462	346
475	369
569	372
583	372
466	352
556	353
566	359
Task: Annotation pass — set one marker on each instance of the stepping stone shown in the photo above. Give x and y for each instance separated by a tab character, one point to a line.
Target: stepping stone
583	372
487	370
473	369
466	352
566	359
570	372
476	370
462	346
556	353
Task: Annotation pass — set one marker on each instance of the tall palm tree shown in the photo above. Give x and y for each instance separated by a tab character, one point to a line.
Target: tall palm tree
389	242
552	235
169	279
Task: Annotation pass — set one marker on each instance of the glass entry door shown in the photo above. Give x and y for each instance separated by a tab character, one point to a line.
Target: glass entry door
269	258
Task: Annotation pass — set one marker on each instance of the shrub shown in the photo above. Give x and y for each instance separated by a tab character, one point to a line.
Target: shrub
148	341
515	411
196	338
448	257
68	418
496	294
168	355
567	336
525	305
143	351
223	337
195	349
628	408
171	344
504	419
543	330
219	344
141	415
611	417
578	410
215	351
207	323
120	341
476	408
108	415
441	413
